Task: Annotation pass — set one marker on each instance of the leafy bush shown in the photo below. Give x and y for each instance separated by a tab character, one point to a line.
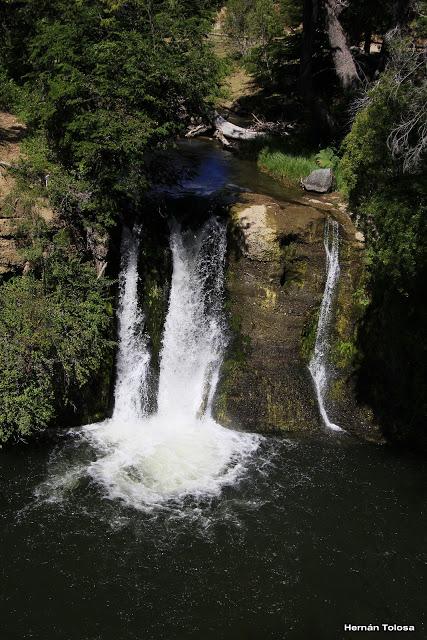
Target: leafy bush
8	90
327	158
55	327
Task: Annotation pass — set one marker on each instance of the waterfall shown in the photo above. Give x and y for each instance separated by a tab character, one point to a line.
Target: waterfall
319	362
193	342
130	393
145	460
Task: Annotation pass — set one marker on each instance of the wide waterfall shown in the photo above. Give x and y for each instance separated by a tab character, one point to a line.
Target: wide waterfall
194	341
319	362
144	459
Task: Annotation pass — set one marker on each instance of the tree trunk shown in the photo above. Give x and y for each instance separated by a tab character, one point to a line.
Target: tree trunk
343	60
320	113
310	16
368	41
234	132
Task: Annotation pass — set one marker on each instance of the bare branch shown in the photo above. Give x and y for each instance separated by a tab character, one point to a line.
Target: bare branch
408	139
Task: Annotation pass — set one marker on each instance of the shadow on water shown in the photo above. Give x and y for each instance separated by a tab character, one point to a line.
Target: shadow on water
209	170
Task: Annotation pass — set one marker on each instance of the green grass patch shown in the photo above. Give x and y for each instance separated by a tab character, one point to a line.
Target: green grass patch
284	166
290	166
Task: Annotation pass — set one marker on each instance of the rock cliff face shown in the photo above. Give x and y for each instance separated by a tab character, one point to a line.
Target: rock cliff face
275	280
344	405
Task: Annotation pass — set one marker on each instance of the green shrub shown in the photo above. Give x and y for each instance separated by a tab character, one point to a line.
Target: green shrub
388	194
55	327
8	91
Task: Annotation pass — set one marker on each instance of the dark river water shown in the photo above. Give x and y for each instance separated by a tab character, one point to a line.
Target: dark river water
316	533
215	171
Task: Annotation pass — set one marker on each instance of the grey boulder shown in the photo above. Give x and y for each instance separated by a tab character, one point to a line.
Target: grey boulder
319	180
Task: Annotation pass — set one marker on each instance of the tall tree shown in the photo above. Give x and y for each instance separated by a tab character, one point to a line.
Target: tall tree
312	99
345	66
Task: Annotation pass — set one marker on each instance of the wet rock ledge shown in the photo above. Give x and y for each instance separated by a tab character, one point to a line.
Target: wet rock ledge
275	280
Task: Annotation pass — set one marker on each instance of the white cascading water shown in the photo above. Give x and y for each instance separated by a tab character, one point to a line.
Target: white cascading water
145	460
319	362
133	358
193	341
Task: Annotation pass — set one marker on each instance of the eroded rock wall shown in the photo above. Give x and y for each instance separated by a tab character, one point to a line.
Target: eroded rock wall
275	280
274	276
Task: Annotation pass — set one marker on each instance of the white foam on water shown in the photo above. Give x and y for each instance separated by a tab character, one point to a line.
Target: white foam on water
179	451
318	366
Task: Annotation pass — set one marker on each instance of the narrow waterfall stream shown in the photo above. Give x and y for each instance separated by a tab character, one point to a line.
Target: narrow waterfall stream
146	459
318	366
133	358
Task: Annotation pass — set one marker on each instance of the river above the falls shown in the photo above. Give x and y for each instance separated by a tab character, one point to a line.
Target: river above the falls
212	171
310	533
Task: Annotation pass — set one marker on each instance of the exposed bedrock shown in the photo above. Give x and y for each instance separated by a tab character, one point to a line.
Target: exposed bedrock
275	279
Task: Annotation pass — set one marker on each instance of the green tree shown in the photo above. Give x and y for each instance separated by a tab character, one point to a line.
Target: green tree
386	181
55	328
107	82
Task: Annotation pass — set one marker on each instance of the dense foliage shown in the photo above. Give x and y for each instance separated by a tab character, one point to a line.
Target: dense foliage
54	333
385	167
107	82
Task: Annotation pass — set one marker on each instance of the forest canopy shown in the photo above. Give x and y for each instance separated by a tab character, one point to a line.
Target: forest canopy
104	82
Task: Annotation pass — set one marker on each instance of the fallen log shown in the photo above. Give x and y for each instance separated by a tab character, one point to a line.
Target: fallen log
198	130
234	132
221	137
223	130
